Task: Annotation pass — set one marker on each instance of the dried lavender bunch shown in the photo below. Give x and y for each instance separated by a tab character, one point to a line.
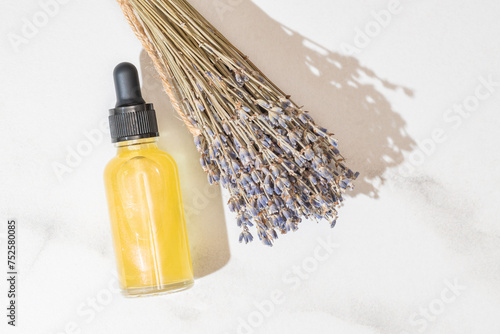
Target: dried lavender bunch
278	165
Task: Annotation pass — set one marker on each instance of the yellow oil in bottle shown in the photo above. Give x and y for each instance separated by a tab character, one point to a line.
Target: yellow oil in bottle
147	220
144	198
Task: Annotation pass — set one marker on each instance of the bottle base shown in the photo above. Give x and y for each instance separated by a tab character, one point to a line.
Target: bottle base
157	290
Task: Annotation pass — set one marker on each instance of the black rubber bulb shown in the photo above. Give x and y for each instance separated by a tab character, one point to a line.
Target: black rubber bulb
127	86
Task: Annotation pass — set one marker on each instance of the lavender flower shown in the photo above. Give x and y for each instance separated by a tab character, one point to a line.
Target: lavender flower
278	165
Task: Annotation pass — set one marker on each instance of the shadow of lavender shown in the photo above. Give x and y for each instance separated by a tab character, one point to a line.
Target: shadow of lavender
203	205
341	94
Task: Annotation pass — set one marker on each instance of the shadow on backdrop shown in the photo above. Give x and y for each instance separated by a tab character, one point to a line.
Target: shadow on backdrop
341	94
202	203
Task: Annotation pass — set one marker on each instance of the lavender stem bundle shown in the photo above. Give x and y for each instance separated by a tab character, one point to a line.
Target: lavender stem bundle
278	165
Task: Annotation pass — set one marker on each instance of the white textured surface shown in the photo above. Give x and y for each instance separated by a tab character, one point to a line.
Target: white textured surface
401	239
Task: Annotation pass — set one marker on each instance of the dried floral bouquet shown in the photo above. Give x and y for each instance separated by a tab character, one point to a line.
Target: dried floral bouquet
278	165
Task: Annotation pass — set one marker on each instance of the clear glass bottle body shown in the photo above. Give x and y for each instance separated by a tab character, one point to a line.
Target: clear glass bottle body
147	220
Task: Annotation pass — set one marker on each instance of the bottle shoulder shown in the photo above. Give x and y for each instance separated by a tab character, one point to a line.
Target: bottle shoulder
153	156
167	157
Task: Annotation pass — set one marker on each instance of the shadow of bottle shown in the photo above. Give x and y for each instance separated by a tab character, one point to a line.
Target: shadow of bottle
343	96
202	203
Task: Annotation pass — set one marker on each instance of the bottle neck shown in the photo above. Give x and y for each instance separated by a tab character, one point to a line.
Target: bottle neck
138	144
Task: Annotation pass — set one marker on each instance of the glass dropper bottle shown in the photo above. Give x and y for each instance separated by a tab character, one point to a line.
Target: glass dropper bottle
144	198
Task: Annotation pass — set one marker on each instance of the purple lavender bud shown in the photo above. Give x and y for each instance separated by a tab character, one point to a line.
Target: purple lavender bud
268	186
265	143
285	103
237	143
252	153
259	163
276	221
318	149
243	181
267	242
278	151
241	114
253	211
294	137
246	236
264	118
255	128
203	163
209	131
279	183
325	172
232	154
311	137
223	139
263	104
277	191
255	176
290	202
244	156
226	128
216	142
277	110
212	154
262	201
247	178
287	150
287	213
315	202
240	221
215	177
239	80
197	142
317	160
274	117
286	182
299	161
275	171
301	199
286	117
305	118
236	166
290	225
273	208
279	201
290	165
312	179
332	141
199	105
308	153
282	123
249	237
320	131
224	180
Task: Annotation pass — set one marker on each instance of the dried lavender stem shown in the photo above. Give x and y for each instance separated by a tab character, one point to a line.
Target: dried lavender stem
277	164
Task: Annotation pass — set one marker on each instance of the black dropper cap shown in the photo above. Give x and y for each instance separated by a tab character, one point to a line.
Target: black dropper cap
132	118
